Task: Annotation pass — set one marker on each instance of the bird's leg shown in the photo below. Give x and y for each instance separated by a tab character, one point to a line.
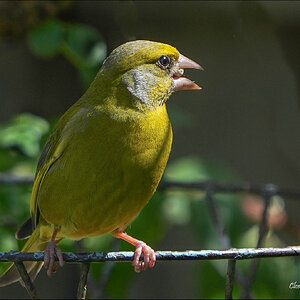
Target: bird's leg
141	247
51	250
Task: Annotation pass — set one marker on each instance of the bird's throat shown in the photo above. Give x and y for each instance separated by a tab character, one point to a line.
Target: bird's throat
148	90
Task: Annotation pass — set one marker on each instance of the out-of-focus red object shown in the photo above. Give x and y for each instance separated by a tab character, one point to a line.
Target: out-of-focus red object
253	209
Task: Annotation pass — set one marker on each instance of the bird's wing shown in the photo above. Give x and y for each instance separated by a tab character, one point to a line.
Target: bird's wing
52	151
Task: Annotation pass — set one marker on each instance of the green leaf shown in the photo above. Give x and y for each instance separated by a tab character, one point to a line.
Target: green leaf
86	49
46	39
24	133
84	46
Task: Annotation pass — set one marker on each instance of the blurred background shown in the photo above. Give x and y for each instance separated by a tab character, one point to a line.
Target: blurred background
243	126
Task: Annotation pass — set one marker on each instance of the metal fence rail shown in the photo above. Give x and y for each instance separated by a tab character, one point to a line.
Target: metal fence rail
267	191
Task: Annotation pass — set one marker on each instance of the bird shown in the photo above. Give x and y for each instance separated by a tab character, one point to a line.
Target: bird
106	155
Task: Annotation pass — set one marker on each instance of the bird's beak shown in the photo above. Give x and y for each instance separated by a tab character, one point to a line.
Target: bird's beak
181	82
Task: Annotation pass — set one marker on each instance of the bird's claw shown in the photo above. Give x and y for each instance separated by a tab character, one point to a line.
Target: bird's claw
49	258
149	257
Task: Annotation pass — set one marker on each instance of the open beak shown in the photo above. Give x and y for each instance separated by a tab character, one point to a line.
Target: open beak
181	82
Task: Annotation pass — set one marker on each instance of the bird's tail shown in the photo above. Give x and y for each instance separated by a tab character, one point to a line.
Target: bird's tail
34	244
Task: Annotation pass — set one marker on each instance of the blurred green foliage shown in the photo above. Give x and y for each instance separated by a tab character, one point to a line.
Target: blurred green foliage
81	44
21	141
24	133
20	145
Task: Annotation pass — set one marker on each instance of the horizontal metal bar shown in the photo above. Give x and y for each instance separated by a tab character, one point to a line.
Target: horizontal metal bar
221	187
238	254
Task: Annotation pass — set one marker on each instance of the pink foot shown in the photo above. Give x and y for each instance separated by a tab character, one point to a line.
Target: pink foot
149	257
141	248
49	258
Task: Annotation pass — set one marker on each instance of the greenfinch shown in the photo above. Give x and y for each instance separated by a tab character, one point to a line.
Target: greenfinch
106	156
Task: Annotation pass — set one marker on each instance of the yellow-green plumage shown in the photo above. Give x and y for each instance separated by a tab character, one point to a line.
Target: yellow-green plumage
116	167
112	153
107	154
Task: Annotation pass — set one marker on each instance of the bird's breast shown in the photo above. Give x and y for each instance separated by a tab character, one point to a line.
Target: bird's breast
107	173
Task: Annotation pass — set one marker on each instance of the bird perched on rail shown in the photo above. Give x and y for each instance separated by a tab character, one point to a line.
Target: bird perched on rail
106	155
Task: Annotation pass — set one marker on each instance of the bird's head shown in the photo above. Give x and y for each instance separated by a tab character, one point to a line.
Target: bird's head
150	71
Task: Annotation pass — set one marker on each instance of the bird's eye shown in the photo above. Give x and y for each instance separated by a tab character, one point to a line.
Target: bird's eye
164	61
